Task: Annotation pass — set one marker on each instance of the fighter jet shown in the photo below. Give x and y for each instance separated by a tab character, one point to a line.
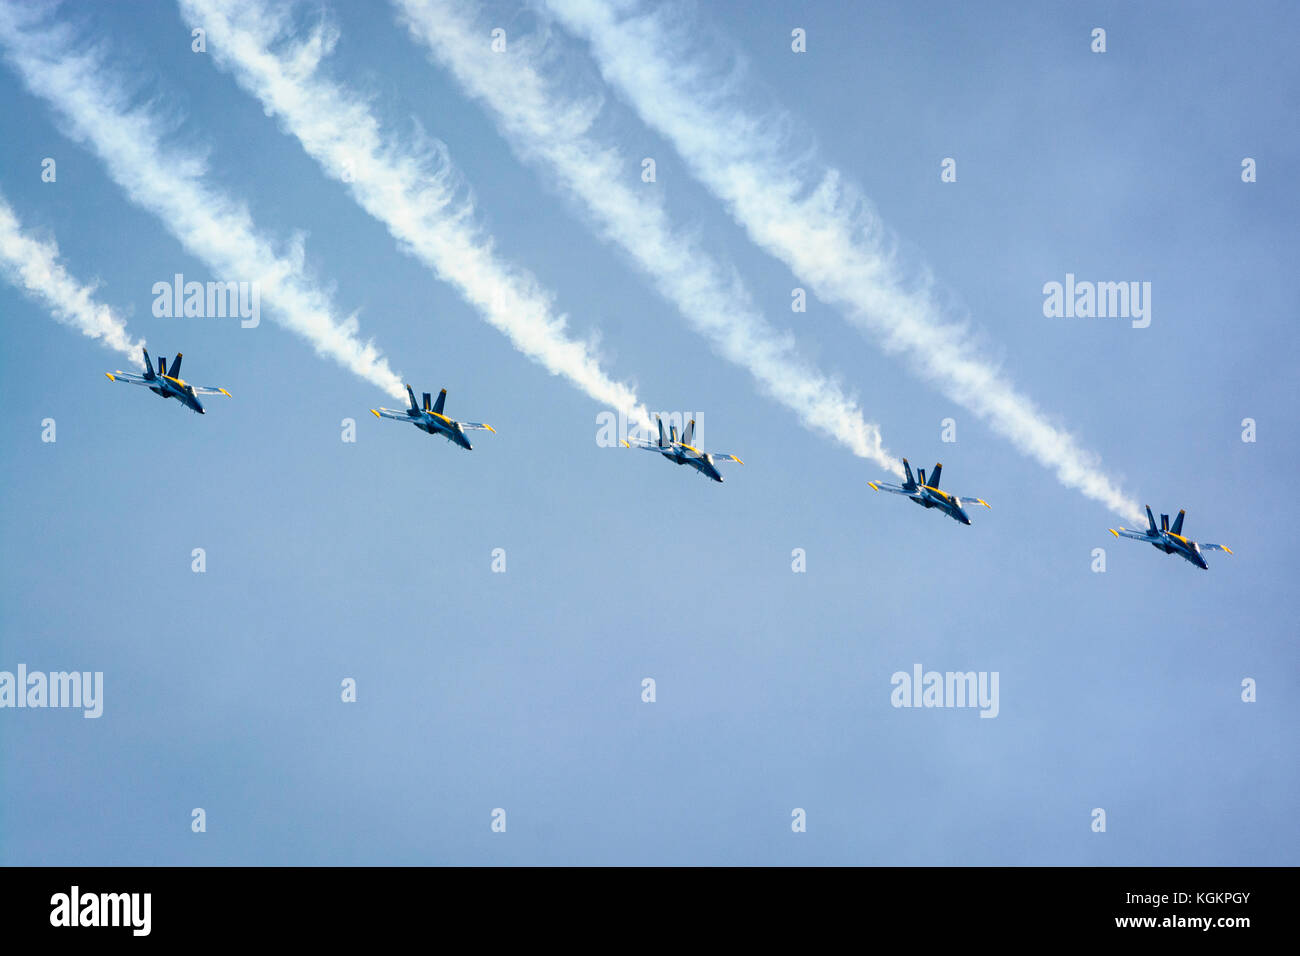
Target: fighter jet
1171	540
927	494
167	383
432	420
681	451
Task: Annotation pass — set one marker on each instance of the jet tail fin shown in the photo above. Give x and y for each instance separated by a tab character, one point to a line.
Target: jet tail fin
920	475
934	475
162	365
148	363
411	392
428	399
176	366
442	400
1151	520
663	442
907	469
1178	522
1164	522
688	435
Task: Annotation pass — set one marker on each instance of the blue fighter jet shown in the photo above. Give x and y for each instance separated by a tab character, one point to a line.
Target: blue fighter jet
1171	540
432	420
927	494
168	383
681	452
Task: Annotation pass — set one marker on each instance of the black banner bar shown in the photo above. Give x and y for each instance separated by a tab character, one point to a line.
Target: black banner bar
334	905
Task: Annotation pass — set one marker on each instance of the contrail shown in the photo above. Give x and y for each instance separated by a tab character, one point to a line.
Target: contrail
34	268
58	66
805	214
413	189
553	130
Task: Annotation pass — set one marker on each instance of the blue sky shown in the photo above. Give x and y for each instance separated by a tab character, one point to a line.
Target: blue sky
522	690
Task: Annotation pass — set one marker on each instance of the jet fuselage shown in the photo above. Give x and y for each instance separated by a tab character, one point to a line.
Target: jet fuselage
169	387
1171	543
436	424
928	497
701	461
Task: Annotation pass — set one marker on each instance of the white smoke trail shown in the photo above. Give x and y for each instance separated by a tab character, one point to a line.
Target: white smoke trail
33	267
550	129
806	215
59	67
412	188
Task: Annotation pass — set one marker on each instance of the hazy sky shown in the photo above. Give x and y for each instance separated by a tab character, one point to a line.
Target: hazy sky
522	690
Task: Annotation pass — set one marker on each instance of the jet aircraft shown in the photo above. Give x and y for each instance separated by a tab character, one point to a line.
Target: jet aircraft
168	383
432	420
681	452
927	493
1171	540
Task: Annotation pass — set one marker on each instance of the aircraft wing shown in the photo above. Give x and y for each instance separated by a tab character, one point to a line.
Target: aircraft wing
886	486
973	501
477	426
1129	533
391	413
717	458
642	443
209	390
129	377
1213	547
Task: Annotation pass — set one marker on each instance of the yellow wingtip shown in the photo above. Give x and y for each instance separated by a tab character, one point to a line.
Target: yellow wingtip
625	444
110	376
225	393
375	413
1228	549
984	503
489	428
1113	531
874	486
738	461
